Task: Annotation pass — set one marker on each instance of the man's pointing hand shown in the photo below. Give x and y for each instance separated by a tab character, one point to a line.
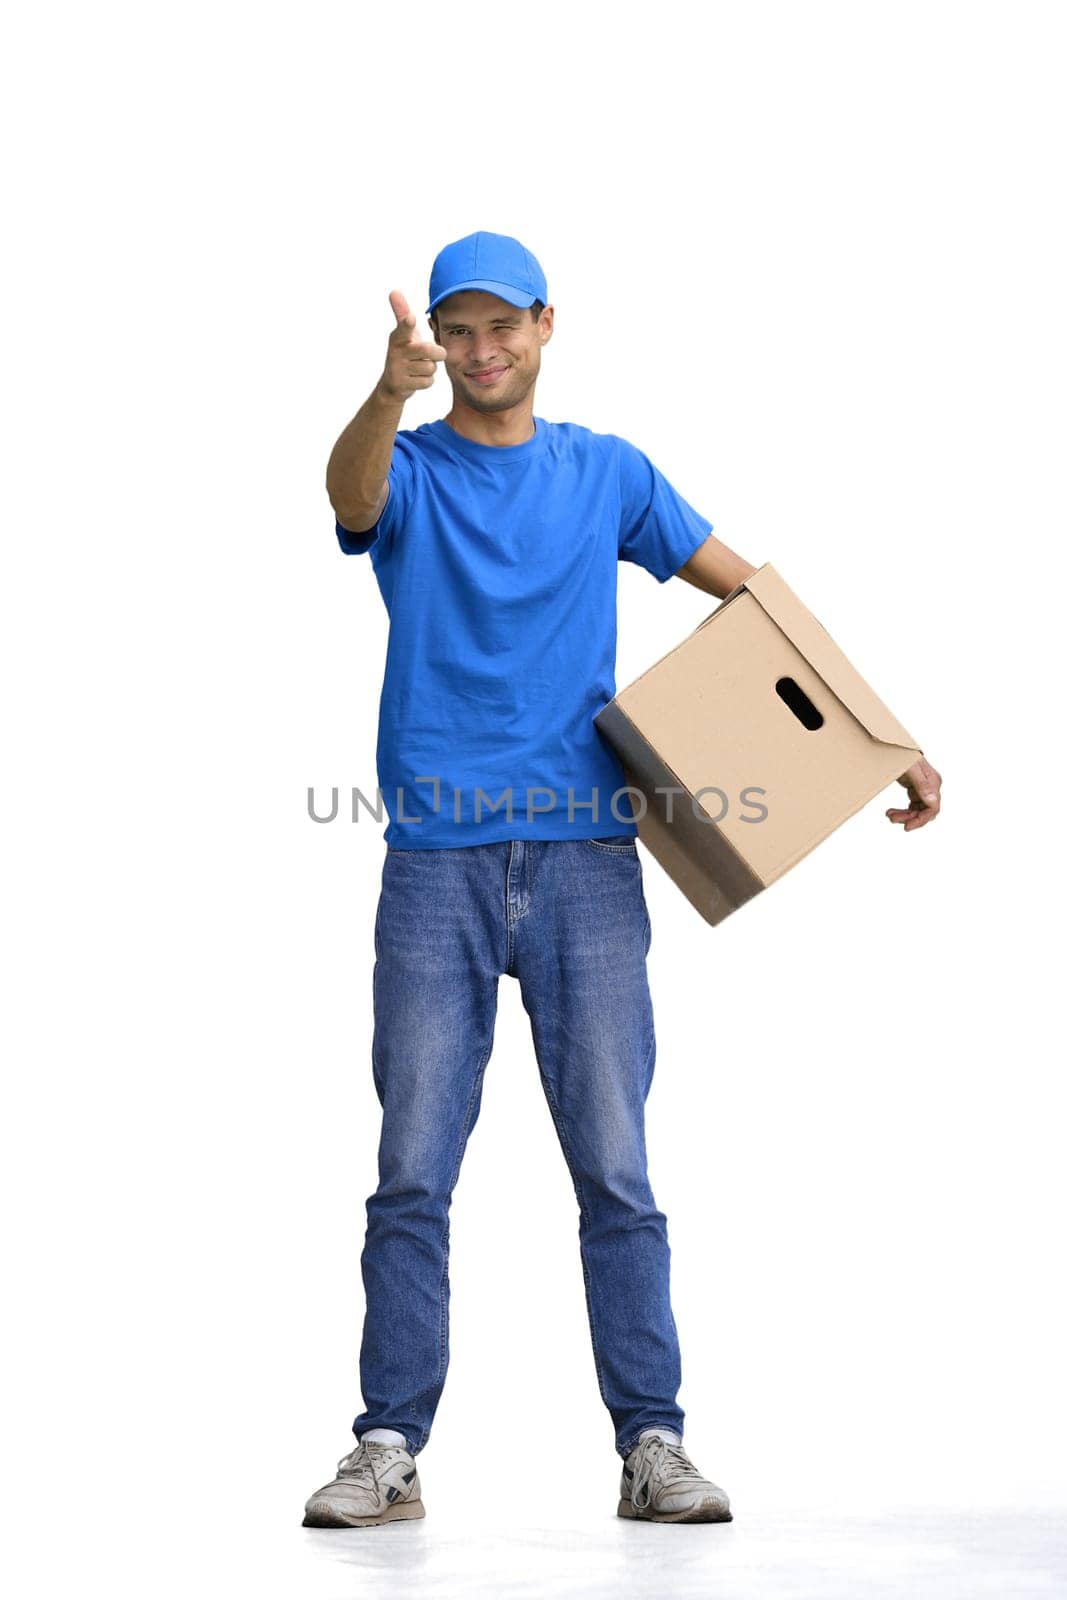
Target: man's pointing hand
410	362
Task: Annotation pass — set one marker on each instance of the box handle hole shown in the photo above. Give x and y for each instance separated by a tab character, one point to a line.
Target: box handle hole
799	704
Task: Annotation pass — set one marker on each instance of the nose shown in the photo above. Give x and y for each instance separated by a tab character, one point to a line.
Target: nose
483	348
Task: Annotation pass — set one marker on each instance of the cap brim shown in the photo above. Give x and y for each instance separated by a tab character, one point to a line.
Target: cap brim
504	290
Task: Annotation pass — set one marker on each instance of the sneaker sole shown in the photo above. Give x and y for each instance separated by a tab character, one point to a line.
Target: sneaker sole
402	1511
701	1513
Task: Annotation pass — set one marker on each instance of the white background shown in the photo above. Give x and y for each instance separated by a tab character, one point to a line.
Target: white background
810	258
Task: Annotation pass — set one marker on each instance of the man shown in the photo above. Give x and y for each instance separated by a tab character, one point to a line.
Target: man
510	850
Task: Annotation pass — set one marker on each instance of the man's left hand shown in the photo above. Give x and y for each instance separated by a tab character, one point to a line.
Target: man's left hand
923	783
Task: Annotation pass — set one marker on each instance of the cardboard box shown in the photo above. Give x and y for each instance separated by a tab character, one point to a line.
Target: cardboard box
767	735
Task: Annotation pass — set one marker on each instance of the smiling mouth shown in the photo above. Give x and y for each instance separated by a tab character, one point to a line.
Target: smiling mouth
490	375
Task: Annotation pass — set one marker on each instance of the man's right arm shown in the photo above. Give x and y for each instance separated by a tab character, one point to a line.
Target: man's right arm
357	475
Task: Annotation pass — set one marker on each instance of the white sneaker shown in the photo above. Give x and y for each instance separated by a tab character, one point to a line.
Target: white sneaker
661	1484
375	1483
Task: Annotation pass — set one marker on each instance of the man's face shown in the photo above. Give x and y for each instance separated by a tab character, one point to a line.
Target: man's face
493	349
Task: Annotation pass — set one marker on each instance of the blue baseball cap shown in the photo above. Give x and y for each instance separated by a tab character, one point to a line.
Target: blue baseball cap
489	261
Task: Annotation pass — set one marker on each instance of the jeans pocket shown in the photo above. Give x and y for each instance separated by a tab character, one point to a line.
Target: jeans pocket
615	843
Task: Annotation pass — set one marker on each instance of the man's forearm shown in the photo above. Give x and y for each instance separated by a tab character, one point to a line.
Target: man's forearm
715	568
359	462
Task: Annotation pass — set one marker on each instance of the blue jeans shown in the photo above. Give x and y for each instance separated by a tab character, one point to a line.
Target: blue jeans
568	919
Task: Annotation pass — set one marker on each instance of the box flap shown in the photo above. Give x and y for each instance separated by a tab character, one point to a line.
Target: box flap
807	633
738	588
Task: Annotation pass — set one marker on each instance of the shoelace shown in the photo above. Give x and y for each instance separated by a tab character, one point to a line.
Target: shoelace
359	1463
657	1456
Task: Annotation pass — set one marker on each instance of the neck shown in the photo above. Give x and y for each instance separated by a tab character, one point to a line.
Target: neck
513	426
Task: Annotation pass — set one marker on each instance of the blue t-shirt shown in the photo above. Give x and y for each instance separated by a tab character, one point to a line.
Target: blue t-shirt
498	568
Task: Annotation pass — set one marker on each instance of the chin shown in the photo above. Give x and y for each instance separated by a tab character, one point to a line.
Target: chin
492	405
501	402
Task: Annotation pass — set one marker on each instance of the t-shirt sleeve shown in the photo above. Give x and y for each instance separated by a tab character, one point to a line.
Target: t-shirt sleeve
657	528
401	493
